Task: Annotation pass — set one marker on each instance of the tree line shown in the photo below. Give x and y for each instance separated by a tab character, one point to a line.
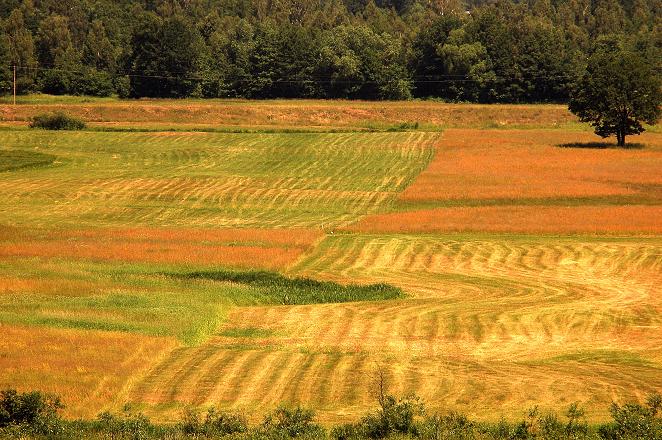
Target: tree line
472	50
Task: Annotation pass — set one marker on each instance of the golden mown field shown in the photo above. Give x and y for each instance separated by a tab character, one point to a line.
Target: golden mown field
528	253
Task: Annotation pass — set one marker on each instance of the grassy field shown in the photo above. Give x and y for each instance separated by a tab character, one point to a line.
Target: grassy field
144	114
507	261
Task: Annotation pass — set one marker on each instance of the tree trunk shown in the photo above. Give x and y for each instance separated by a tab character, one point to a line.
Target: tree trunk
620	136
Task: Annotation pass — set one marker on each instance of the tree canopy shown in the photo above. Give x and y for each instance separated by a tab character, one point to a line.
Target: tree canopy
619	91
457	50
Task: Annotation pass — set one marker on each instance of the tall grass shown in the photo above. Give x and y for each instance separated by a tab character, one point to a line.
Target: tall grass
274	287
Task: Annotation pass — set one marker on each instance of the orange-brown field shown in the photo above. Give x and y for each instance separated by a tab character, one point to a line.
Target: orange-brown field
293	114
89	370
531	164
634	219
530	181
244	248
530	258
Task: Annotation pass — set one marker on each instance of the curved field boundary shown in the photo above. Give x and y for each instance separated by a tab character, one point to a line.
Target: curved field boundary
496	324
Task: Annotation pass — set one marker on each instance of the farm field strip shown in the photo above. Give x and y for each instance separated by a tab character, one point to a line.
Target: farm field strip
530	181
531	219
510	165
531	291
243	248
329	364
260	181
294	114
496	322
90	370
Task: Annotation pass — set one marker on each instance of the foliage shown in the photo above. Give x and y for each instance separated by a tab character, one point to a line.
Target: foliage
509	51
635	421
57	121
619	91
165	57
34	415
128	425
396	416
291	423
32	411
215	423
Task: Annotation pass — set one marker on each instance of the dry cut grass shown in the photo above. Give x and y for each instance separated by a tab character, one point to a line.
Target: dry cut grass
524	181
244	248
293	114
516	164
90	370
496	324
523	219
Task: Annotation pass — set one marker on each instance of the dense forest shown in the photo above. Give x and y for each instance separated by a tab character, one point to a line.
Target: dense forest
475	50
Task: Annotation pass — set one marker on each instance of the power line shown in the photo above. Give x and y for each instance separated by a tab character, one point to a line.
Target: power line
440	78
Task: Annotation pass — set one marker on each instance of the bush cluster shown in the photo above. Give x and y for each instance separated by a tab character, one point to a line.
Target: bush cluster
57	121
34	415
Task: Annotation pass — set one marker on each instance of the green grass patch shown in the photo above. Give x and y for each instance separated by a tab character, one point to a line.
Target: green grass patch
613	357
12	160
200	180
246	332
275	288
159	300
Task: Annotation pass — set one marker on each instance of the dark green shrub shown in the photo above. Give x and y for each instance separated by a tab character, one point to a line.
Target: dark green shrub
215	423
32	412
396	416
634	421
404	126
347	431
128	426
453	426
292	422
57	121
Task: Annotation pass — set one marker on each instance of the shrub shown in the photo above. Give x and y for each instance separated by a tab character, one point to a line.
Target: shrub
404	126
215	423
33	411
57	121
634	421
396	416
453	426
128	426
347	431
292	422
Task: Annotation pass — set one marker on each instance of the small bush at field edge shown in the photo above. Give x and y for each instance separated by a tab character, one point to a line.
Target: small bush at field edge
57	121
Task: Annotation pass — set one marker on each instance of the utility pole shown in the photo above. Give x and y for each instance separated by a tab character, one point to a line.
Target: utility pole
14	84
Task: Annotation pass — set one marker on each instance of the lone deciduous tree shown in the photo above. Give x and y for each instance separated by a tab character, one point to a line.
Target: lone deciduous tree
619	91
